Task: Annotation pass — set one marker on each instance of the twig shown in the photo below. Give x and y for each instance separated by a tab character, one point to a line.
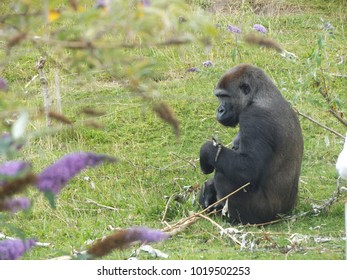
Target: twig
324	92
57	91
167	206
105	45
221	228
338	75
224	198
319	124
316	209
45	91
32	79
183	159
183	223
101	205
338	116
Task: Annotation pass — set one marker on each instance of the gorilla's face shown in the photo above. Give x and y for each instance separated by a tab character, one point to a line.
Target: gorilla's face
234	95
232	101
226	113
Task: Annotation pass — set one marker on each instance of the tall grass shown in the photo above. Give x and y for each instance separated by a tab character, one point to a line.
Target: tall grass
156	165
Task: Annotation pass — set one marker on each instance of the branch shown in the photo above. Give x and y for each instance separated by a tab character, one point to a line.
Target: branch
183	223
83	44
45	90
324	92
101	205
220	228
319	124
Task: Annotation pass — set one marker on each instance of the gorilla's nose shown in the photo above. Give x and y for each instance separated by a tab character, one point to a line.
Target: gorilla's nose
221	110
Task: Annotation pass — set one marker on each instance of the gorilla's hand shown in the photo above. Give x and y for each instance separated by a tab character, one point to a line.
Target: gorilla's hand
207	157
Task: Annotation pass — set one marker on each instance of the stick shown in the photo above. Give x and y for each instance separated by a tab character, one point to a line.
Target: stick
101	205
167	207
319	124
183	223
57	91
101	45
221	228
183	159
324	92
45	91
32	79
224	198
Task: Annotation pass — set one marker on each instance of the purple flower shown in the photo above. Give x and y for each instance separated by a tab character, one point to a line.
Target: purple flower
102	3
146	3
260	28
144	234
15	204
193	69
3	85
234	29
12	169
12	249
207	63
55	177
124	238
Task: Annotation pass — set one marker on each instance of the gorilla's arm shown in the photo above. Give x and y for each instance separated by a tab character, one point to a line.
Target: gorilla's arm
250	162
245	166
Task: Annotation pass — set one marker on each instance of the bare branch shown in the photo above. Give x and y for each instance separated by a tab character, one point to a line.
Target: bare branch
45	90
319	124
83	44
101	205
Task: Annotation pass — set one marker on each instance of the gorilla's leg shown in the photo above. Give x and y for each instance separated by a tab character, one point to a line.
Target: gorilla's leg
208	196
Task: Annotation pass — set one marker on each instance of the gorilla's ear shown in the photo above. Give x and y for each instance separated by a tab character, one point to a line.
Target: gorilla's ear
245	88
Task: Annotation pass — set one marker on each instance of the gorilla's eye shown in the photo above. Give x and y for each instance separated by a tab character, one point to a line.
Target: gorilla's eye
245	88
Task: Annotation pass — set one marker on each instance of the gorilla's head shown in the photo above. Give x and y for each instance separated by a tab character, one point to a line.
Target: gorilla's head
235	92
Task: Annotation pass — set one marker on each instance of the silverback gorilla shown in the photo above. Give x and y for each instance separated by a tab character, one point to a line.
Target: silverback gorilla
266	152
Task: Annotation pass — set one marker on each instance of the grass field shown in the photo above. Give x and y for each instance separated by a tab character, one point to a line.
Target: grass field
156	165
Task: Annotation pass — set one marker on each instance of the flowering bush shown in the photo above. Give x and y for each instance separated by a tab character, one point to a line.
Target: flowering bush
259	28
234	29
57	175
14	249
80	47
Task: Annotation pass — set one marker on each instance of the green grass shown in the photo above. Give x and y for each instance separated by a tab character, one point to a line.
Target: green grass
154	164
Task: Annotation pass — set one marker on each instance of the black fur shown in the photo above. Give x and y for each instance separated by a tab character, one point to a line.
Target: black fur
267	150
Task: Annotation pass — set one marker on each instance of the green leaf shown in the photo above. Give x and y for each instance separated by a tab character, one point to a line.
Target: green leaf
320	42
18	128
318	61
51	198
233	54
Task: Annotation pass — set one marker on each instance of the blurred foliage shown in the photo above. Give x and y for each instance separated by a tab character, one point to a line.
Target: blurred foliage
78	36
92	36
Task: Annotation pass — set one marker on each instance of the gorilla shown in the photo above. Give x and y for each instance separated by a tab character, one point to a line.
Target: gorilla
266	152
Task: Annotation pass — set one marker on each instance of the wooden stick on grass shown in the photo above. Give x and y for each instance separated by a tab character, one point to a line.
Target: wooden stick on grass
221	228
183	223
319	124
45	90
